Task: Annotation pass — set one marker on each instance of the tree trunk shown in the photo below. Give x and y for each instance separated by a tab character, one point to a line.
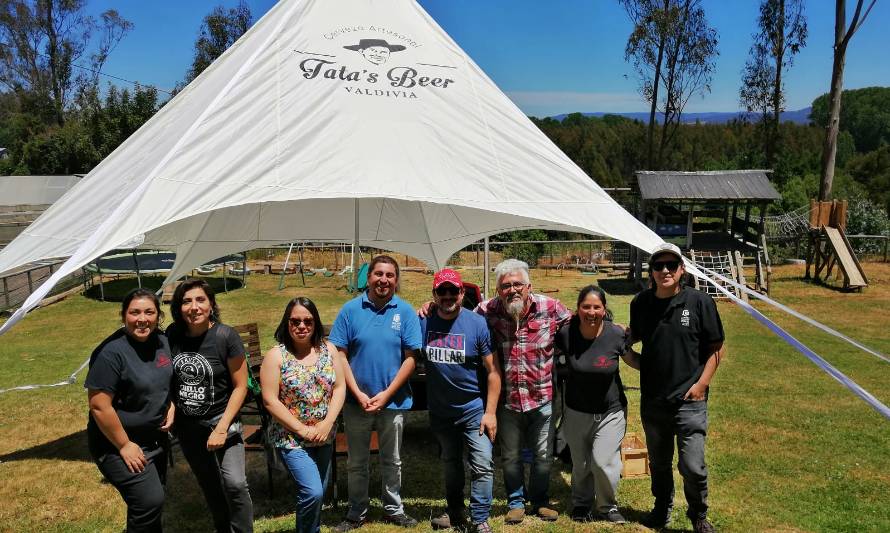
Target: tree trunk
656	82
779	55
829	148
53	49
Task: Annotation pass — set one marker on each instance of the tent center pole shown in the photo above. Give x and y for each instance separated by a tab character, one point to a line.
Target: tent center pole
356	251
485	269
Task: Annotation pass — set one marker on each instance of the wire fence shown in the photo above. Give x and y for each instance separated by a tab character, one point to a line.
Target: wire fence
16	287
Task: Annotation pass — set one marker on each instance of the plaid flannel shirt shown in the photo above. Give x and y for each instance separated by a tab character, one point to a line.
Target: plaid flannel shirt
526	348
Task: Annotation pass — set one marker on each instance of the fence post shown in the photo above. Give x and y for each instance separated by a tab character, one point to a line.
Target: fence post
30	284
886	239
6	291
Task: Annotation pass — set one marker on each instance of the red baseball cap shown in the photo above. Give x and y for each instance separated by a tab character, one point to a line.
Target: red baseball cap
446	275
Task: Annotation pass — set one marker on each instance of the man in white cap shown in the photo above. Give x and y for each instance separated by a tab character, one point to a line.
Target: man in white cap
463	406
682	338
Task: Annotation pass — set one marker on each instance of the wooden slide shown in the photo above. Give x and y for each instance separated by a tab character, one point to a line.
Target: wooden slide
854	276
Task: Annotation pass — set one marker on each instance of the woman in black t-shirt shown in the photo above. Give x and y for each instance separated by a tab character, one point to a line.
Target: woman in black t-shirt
594	421
130	411
209	387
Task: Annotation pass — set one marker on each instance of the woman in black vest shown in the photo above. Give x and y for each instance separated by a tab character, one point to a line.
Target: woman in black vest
130	411
209	387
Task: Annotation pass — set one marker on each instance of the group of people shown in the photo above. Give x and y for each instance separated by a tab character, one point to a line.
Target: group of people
490	378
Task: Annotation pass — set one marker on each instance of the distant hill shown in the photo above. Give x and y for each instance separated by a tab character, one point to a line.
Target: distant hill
801	116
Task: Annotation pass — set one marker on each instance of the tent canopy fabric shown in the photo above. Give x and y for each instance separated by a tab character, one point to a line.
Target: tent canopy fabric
316	122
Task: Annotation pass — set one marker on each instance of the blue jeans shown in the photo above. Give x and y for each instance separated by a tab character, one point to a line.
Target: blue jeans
453	434
687	422
533	429
310	468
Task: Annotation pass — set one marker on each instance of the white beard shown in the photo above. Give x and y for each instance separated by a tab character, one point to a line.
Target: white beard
515	308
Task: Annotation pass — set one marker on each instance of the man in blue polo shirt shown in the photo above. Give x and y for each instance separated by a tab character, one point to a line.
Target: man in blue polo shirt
457	357
379	334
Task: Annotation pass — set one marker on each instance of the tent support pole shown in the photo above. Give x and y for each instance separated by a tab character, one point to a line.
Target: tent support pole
356	251
303	276
101	284
485	269
136	262
244	269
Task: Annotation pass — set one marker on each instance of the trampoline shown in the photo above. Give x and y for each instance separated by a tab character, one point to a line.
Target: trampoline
146	262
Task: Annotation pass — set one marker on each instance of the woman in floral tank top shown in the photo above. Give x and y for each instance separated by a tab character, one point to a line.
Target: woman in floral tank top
303	389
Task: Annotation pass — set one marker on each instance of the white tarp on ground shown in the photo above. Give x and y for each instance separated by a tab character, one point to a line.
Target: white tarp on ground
322	104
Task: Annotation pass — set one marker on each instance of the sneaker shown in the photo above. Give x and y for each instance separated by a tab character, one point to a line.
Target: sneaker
400	519
444	521
515	516
613	516
581	514
348	525
702	526
657	518
546	514
481	527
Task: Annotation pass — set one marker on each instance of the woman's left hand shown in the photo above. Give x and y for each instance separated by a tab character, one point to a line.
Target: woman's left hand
216	440
322	431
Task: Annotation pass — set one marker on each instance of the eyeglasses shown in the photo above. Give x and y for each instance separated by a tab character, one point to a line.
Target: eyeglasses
450	290
295	322
516	286
672	266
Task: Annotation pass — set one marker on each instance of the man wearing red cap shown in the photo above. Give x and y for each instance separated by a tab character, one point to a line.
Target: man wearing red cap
457	351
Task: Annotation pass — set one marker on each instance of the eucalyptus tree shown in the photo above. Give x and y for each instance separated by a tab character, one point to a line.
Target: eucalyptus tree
44	45
781	34
672	48
842	36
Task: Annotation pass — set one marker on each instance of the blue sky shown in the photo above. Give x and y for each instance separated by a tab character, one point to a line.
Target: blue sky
549	57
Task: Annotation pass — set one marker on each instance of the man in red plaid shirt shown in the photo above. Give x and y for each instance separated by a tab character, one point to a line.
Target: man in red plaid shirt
523	327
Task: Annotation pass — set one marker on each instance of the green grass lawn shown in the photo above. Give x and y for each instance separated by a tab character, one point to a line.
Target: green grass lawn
789	449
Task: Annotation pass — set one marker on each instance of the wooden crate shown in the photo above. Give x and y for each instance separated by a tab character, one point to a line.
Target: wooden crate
634	457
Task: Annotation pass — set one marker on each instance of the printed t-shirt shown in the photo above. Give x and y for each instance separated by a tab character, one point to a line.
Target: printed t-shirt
453	351
593	384
375	340
138	376
676	333
202	383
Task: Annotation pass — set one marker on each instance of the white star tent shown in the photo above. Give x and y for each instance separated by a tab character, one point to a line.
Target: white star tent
325	117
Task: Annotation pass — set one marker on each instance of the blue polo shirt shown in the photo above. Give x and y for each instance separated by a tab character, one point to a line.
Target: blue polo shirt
375	340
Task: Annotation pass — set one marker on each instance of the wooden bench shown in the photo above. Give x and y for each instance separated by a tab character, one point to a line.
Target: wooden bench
255	435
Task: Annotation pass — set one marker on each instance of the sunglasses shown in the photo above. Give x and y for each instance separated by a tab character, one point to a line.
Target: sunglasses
295	322
450	290
672	266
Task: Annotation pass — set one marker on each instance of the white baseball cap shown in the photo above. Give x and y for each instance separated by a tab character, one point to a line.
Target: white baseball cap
666	248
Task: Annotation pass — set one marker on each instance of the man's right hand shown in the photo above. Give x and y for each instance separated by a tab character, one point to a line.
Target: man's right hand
426	309
363	400
133	457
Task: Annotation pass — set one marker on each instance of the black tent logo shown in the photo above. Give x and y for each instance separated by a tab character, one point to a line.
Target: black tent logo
375	51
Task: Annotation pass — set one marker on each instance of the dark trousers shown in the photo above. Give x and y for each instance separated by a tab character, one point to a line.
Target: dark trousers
143	492
221	476
687	422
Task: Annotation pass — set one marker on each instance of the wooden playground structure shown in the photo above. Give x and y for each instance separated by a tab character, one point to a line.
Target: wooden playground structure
829	246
